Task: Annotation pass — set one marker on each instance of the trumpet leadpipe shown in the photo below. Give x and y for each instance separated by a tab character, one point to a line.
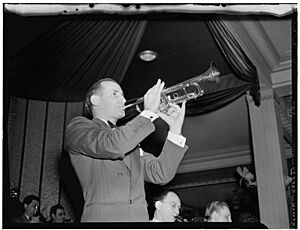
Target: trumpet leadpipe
129	105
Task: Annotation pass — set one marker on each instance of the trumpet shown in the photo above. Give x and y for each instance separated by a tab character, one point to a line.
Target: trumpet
180	219
183	91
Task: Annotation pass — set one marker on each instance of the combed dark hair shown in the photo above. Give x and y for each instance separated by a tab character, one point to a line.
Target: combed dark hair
54	208
28	199
163	195
214	206
97	85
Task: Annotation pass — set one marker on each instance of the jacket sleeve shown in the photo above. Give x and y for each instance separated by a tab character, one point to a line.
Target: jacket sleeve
84	136
162	169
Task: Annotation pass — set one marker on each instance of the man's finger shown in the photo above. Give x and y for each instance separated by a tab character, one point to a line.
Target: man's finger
157	87
183	108
161	87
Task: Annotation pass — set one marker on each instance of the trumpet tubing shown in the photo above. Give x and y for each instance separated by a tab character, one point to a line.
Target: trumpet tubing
183	91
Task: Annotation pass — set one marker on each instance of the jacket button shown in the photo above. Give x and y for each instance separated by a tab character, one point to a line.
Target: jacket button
130	201
120	174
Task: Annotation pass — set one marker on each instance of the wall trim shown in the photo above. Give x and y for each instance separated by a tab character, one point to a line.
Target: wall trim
215	159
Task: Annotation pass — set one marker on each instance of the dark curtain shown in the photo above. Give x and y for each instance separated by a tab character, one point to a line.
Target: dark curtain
64	62
236	57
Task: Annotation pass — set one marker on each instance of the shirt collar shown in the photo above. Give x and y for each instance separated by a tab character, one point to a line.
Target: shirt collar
27	216
155	220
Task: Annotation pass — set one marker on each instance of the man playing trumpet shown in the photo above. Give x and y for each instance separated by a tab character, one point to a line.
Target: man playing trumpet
109	163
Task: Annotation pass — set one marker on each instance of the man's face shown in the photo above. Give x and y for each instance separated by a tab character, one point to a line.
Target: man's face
32	208
169	208
59	217
221	215
111	101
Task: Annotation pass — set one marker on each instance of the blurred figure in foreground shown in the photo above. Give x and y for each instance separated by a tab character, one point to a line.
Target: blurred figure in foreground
218	211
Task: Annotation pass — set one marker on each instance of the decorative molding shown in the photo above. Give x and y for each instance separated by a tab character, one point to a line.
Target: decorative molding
282	78
241	31
286	121
202	183
58	9
263	43
252	37
219	158
285	62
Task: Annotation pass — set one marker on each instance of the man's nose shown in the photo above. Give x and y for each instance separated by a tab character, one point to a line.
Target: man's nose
123	99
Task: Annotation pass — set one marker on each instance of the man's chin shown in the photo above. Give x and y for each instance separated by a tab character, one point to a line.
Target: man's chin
122	114
172	219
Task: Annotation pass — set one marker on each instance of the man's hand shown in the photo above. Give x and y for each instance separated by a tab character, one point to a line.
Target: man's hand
174	117
152	97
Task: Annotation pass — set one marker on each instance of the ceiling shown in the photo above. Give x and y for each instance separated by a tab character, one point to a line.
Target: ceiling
218	139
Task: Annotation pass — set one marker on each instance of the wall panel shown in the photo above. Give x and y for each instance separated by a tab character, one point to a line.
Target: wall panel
52	154
16	126
34	142
36	153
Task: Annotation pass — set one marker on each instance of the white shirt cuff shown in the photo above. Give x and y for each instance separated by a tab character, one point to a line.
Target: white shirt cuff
149	114
176	139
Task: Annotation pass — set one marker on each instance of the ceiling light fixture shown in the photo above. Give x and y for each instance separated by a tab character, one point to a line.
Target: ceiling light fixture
148	55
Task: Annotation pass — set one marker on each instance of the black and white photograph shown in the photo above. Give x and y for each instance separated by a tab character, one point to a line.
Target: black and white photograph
149	115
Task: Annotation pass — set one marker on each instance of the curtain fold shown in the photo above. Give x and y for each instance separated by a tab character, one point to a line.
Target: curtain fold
67	59
234	54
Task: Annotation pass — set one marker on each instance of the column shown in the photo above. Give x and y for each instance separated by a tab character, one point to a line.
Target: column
270	160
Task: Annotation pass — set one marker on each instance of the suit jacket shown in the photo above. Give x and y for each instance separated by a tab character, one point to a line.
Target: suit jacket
112	169
20	219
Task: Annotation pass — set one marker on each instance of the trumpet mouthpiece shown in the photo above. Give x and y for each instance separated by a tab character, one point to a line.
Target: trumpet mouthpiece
127	106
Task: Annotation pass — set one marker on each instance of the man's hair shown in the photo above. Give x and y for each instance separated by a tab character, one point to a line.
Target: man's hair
214	207
54	208
97	85
30	198
163	195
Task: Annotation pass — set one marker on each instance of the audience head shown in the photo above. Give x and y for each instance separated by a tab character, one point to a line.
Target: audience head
31	205
57	213
167	206
218	211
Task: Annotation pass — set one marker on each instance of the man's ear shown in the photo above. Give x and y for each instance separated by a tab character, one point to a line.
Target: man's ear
95	99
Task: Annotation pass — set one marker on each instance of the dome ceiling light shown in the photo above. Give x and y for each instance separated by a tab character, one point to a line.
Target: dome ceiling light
148	55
